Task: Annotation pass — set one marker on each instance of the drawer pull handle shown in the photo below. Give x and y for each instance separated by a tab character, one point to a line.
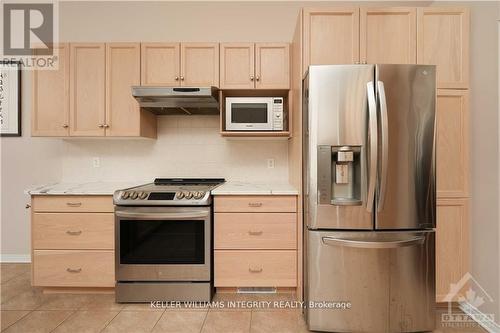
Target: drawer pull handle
255	204
255	270
74	204
70	270
255	233
74	233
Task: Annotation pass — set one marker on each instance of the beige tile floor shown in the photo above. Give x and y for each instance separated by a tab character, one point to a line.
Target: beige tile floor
25	309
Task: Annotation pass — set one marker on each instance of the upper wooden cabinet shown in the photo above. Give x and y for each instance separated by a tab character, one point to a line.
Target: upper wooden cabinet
237	66
443	40
123	114
260	66
452	143
50	103
199	64
331	36
388	35
184	64
87	89
160	64
272	66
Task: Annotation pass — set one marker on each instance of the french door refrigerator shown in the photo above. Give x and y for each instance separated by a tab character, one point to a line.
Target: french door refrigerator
369	197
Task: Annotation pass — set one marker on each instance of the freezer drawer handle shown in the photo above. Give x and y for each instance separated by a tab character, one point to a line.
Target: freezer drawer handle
373	245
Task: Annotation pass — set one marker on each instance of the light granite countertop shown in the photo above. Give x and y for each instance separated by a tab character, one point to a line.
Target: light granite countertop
250	188
83	188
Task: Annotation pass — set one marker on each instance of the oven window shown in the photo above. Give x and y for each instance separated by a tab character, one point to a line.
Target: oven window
162	242
242	113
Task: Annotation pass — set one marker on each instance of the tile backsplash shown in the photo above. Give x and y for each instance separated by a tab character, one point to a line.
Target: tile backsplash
187	146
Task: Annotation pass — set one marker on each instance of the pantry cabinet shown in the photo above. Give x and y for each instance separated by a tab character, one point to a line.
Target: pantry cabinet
452	244
255	66
452	145
331	36
123	114
87	89
443	40
50	102
180	64
388	35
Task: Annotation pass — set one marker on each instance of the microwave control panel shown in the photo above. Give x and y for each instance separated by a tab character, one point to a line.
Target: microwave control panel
278	114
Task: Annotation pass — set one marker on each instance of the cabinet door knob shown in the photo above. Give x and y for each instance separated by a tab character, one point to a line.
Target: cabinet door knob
257	78
101	125
182	78
251	77
176	78
28	206
106	126
65	126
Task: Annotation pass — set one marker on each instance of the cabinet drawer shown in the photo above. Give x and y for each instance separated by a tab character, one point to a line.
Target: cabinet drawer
235	231
73	268
255	268
73	203
256	203
59	231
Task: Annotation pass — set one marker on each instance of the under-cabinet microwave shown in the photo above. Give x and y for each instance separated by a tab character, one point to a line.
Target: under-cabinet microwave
254	114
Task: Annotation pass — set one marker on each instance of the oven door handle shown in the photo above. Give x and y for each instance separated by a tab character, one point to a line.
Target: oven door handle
162	216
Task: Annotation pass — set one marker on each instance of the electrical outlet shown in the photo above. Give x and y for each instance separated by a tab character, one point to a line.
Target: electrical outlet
270	163
96	162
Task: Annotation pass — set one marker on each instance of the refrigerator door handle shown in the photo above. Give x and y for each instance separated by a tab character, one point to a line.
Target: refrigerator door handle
384	144
373	245
372	128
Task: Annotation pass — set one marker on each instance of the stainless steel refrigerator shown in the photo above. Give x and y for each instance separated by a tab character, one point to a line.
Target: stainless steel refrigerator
369	197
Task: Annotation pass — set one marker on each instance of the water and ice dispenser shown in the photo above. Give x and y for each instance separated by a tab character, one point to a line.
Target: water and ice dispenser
339	175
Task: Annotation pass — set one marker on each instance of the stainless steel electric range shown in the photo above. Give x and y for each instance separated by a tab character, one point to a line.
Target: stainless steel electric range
164	242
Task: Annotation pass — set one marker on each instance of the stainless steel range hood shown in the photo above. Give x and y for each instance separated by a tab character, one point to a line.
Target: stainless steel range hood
178	100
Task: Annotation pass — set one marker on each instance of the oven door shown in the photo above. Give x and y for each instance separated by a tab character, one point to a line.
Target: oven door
163	243
249	114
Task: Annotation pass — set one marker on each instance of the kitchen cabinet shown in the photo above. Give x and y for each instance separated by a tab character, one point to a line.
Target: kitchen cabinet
331	36
388	35
87	89
123	114
50	102
255	66
180	64
160	64
452	143
72	241
443	40
452	244
255	241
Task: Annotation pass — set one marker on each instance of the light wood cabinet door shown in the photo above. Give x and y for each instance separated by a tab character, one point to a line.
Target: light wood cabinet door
388	35
237	66
452	244
331	36
123	67
199	64
87	89
272	66
160	64
443	40
50	113
452	143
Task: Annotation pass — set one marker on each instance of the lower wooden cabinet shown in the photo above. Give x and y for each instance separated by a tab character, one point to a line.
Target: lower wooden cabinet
452	244
72	241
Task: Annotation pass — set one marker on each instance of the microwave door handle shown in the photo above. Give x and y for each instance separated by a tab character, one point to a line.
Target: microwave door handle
372	148
384	160
161	216
373	245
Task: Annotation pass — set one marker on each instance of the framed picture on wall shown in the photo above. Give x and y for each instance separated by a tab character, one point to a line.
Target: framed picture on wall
10	98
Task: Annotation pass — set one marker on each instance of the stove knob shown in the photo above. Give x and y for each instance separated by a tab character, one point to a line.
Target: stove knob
199	195
133	195
179	195
125	195
143	195
189	195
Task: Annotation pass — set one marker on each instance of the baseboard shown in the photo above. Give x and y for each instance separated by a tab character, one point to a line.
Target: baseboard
15	258
472	311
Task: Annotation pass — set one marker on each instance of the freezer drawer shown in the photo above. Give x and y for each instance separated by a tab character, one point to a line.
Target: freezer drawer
388	278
